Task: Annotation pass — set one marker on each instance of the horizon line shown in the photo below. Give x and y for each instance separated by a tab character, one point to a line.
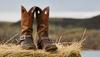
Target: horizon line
15	16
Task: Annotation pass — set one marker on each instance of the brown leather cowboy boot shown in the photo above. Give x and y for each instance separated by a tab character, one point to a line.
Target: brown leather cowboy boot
42	29
26	28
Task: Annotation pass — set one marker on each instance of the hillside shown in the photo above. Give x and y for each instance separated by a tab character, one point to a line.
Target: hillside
90	23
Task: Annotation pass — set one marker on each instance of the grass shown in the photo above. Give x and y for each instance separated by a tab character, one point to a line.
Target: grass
69	35
12	50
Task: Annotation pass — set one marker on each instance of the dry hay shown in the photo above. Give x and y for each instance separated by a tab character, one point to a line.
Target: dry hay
12	50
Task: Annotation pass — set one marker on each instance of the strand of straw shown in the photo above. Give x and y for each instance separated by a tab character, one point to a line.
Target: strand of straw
11	38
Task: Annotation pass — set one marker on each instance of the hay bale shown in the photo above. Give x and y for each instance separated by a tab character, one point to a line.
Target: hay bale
12	50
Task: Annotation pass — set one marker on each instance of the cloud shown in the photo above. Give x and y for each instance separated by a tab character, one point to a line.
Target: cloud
74	14
9	16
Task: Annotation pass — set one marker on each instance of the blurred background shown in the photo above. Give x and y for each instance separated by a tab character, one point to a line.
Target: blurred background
67	17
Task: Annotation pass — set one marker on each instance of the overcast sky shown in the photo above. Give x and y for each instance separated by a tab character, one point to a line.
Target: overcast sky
10	9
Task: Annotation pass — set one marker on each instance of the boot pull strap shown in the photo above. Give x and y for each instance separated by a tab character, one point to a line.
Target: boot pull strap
46	10
38	10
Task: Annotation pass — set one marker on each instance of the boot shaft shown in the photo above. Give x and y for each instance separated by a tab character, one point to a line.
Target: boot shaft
26	39
42	17
27	21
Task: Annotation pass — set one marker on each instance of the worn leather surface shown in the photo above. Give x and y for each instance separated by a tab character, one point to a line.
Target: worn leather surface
42	17
26	28
27	20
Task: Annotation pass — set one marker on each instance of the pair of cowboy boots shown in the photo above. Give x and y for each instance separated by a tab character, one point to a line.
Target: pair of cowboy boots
27	18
